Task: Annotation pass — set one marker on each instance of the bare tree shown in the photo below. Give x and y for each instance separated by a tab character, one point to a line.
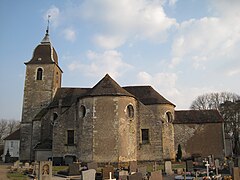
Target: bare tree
3	128
231	115
7	126
213	100
13	125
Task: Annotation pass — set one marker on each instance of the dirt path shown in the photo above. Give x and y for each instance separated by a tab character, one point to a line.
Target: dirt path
3	172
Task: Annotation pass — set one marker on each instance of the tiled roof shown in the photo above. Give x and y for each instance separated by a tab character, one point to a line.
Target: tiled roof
108	87
147	95
68	96
197	117
14	136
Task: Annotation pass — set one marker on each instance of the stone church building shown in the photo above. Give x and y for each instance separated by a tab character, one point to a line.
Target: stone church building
106	123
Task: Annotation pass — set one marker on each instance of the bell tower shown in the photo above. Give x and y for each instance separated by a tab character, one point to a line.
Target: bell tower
42	79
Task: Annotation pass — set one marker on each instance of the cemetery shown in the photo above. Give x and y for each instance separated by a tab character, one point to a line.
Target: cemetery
208	168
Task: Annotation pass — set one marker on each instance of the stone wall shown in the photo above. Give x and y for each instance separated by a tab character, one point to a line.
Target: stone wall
202	139
37	95
65	121
167	129
151	151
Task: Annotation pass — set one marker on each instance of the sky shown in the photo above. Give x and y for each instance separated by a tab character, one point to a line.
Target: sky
182	48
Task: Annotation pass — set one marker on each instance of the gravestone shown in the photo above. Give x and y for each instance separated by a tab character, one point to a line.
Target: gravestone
236	173
89	174
16	164
179	171
73	169
156	175
142	170
135	176
26	165
189	165
106	170
168	168
132	166
45	170
36	169
92	165
123	175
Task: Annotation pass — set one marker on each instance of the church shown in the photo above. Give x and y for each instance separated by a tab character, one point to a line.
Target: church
107	123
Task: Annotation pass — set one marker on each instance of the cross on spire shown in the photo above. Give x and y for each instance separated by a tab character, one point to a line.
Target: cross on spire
47	31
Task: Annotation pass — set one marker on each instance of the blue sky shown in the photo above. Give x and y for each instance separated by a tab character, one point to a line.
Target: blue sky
183	48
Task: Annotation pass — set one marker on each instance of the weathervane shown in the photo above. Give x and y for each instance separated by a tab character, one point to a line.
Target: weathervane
48	24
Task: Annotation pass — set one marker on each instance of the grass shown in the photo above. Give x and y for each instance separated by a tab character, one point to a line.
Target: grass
16	176
55	169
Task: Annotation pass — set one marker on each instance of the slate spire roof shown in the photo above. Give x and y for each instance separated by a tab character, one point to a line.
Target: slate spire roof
44	53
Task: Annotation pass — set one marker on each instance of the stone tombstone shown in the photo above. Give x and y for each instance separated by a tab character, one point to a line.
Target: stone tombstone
135	176
179	171
236	173
26	165
189	165
106	170
89	174
45	170
156	175
142	170
168	168
16	164
217	164
73	169
36	168
92	165
132	166
123	175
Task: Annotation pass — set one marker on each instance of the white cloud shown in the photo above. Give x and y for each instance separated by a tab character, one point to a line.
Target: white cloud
69	34
54	14
163	82
233	71
109	42
99	64
144	19
209	39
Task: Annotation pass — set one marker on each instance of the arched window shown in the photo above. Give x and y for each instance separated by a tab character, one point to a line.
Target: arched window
82	111
169	117
130	111
55	116
39	73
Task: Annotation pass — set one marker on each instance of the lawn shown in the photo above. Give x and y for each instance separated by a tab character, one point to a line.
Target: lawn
16	176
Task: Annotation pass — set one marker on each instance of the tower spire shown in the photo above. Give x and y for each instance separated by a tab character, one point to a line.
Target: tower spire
47	31
46	38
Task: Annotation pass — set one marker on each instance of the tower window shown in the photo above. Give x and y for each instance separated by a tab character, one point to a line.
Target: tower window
70	137
82	111
145	136
169	117
39	73
130	111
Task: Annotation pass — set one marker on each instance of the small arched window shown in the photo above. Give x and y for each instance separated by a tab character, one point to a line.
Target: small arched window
169	117
39	73
55	116
130	111
82	111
